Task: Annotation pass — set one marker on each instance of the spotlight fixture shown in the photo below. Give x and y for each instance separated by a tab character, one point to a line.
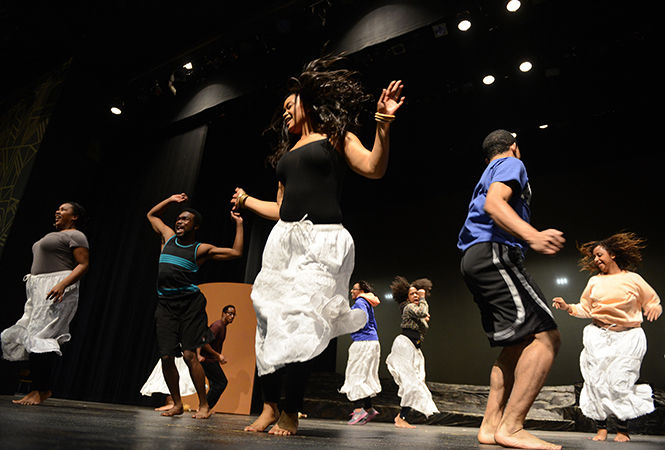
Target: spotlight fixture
188	66
525	66
562	281
543	126
464	25
388	296
514	135
513	5
488	79
115	110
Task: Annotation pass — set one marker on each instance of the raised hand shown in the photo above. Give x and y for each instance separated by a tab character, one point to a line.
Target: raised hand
236	216
234	198
391	99
559	303
179	198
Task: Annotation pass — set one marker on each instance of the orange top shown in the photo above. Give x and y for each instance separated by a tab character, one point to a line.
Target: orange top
616	299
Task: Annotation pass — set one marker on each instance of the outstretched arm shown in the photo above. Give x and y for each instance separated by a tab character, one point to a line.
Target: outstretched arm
157	223
548	241
208	251
373	164
265	209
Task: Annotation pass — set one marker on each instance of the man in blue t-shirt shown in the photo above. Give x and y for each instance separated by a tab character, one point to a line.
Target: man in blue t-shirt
514	313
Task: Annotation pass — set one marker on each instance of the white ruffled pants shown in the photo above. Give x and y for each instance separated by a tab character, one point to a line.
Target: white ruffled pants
406	364
610	365
300	295
362	371
156	382
44	325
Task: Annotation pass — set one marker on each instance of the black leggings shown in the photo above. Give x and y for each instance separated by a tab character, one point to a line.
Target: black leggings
217	381
41	370
364	403
295	375
622	425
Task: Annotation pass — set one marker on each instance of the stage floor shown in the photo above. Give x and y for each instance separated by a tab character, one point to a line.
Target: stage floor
73	424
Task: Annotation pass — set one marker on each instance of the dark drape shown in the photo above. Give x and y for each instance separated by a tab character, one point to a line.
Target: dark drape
114	344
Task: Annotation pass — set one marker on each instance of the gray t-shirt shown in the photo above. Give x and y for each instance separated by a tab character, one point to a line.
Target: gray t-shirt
54	252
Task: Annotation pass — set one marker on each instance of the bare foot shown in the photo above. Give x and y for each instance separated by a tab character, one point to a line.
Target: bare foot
165	407
622	437
287	425
267	417
523	439
174	411
486	437
601	435
203	413
401	423
33	398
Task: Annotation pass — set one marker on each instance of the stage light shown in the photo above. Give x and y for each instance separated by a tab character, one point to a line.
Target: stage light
188	66
525	66
115	110
513	5
388	296
543	126
488	79
514	135
464	25
563	281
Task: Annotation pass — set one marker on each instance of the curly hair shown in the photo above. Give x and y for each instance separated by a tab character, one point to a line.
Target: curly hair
400	288
333	99
625	247
364	286
423	283
80	213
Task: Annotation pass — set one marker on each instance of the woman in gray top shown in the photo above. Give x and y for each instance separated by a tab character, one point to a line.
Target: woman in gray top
52	288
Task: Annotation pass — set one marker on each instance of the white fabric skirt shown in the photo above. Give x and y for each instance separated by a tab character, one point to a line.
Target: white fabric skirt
610	365
406	364
44	325
300	295
362	371
156	382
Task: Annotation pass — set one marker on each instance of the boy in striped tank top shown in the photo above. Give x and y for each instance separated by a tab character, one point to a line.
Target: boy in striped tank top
180	316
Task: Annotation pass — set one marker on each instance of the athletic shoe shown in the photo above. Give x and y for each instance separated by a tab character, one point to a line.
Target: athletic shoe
372	413
357	417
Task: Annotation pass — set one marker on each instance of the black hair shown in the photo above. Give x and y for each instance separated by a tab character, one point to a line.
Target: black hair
365	286
333	100
80	213
226	308
497	142
423	283
198	217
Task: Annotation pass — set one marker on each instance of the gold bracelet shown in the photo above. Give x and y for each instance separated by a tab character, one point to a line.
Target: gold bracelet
242	198
384	118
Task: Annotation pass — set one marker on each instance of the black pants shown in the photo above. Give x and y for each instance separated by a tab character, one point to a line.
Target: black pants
41	370
622	425
217	381
295	375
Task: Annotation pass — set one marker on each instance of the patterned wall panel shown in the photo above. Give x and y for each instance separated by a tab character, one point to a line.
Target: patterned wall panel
22	129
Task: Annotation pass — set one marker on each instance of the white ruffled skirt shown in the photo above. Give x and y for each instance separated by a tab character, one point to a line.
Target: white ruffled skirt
44	325
610	365
406	364
362	371
300	295
156	382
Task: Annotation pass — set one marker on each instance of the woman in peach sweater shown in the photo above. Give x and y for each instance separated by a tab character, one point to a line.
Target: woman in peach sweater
614	342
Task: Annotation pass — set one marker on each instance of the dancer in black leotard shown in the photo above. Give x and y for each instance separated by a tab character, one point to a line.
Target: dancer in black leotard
300	294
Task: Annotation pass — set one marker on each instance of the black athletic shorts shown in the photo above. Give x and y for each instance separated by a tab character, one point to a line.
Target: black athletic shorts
181	324
512	306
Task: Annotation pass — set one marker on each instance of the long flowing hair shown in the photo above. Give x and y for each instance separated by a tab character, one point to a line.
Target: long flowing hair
625	247
332	97
400	288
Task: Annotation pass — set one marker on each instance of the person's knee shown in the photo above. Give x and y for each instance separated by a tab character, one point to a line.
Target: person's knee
189	357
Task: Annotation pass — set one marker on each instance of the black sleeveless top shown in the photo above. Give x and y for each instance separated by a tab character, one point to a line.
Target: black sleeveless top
312	176
177	270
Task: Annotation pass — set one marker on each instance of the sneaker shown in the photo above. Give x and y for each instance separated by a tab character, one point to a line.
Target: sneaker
357	417
372	413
